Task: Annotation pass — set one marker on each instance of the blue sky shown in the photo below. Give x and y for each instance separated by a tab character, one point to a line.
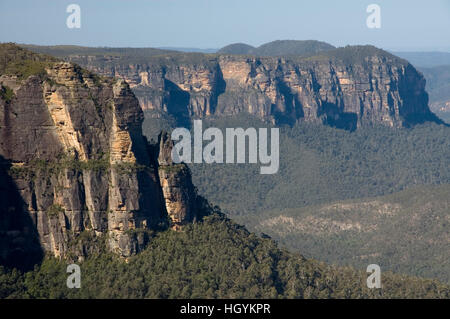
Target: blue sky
406	24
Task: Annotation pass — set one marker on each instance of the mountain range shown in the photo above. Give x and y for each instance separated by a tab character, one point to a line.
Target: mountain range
80	181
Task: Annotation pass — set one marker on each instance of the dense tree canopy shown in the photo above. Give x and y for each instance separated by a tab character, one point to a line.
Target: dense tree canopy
215	258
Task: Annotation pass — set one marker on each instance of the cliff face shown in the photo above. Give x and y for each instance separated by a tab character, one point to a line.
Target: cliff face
438	87
75	164
177	187
348	87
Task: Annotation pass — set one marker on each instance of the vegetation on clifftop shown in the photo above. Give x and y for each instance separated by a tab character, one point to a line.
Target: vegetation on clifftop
308	50
22	63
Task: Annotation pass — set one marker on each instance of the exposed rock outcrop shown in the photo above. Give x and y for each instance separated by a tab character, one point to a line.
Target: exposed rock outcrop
74	156
176	183
347	87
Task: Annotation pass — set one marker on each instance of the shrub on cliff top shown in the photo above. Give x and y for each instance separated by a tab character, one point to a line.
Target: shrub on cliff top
20	62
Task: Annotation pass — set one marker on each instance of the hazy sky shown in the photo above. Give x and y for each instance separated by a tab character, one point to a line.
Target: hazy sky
405	24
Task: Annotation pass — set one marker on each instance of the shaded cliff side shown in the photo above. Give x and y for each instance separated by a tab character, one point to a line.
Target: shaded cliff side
438	87
72	149
347	87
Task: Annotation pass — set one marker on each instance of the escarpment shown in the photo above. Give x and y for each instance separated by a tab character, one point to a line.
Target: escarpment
75	167
347	87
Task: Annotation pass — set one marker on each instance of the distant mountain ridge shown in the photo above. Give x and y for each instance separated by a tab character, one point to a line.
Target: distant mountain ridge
183	49
425	59
278	48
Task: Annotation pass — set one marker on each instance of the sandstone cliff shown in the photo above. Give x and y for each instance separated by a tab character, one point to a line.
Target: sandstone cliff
74	164
346	87
176	184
